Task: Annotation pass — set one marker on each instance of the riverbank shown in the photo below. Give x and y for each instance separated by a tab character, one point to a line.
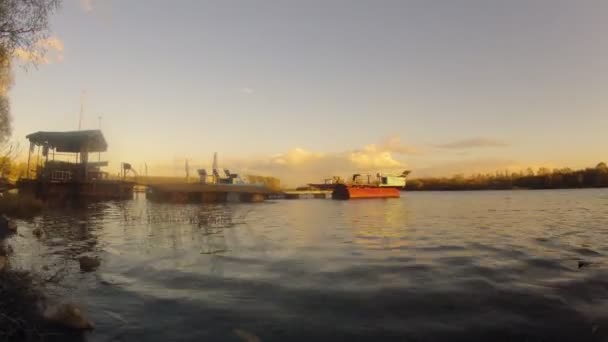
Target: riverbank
24	313
18	206
596	177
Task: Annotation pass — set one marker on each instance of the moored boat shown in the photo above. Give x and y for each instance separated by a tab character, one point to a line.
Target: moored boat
380	186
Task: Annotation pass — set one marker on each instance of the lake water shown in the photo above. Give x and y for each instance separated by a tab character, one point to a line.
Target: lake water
469	266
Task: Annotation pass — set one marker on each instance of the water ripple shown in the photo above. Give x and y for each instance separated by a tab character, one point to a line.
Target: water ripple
469	266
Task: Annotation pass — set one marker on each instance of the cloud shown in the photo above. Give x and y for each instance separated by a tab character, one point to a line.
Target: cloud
45	51
299	165
86	6
392	144
473	143
246	90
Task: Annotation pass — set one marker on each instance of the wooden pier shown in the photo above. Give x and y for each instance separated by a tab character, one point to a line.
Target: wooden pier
207	193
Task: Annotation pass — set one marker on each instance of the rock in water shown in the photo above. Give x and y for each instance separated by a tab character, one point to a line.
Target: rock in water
88	264
6	225
70	316
38	232
3	222
246	336
582	263
3	263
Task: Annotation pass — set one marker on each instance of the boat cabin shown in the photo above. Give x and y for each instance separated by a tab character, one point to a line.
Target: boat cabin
381	180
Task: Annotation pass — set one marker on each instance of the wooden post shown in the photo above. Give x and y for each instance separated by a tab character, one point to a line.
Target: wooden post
37	161
29	154
46	149
84	160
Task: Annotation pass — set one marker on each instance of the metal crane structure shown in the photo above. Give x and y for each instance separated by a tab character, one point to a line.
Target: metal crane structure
216	177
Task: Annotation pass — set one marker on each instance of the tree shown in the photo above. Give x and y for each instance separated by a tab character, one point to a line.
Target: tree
543	171
5	83
23	23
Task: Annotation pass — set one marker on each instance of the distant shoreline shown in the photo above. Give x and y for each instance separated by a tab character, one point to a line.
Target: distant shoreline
543	179
501	189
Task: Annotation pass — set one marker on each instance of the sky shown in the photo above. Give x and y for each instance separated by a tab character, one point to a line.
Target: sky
304	90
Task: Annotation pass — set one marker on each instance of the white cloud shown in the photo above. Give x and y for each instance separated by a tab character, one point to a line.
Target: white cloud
45	51
86	6
246	90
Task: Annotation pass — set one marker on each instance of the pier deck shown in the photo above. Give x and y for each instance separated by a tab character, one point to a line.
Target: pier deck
207	193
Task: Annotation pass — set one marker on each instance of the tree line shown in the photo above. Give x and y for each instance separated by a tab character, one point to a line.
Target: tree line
543	178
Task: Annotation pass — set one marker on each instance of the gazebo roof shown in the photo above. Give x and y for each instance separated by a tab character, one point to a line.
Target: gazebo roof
72	141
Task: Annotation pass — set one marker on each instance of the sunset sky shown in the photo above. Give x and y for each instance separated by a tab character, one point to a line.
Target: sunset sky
304	90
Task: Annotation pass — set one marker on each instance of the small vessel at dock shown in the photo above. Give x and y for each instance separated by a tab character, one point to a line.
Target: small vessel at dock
379	186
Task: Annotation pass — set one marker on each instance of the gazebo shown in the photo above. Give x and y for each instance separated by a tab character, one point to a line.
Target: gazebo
64	169
66	155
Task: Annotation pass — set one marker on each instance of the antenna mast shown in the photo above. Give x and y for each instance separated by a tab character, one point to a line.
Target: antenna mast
81	110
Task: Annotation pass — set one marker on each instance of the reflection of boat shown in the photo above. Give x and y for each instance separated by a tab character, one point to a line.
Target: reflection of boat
379	186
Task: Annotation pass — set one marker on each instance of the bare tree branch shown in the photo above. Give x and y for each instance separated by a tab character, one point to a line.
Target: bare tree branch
23	23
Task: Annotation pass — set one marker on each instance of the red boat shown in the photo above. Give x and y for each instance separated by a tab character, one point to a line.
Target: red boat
383	186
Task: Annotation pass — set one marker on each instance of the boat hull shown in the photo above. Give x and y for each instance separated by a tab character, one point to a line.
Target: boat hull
345	192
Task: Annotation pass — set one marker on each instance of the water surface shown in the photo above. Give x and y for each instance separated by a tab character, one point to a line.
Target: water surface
495	265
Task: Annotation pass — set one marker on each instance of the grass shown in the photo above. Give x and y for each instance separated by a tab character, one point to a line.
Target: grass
19	206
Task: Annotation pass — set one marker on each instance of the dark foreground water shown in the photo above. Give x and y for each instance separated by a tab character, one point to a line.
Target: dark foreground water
462	266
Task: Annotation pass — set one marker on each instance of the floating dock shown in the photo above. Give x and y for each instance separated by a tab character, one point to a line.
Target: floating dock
208	193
